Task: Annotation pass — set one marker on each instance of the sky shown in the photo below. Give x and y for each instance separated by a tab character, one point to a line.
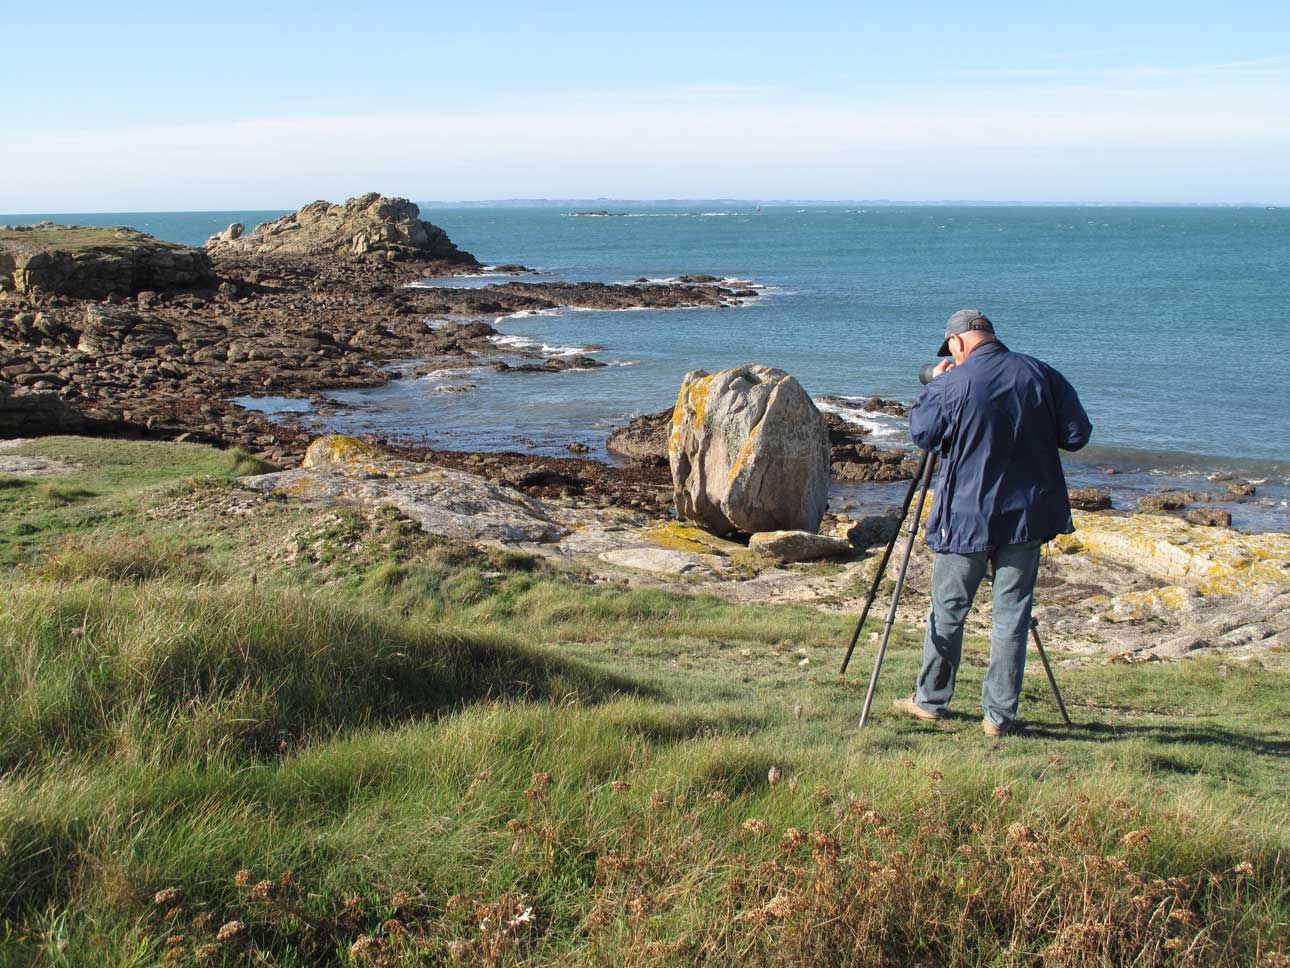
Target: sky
148	106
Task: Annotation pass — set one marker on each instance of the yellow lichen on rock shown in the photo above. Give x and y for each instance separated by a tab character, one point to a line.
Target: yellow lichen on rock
681	537
1172	548
1134	606
691	408
339	449
744	451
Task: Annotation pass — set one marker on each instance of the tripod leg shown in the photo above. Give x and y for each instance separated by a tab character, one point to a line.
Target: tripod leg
900	586
886	556
1052	680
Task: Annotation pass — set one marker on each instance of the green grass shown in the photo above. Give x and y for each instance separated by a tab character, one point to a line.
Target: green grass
80	238
37	513
362	745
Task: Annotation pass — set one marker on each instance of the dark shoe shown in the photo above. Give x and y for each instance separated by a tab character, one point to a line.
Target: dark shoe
911	708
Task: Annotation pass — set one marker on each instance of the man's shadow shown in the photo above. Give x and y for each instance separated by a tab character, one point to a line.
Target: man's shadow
1095	732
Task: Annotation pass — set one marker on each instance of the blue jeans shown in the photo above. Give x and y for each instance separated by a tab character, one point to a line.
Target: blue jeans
955	579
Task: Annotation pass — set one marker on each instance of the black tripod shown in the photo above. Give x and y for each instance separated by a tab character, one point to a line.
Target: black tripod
922	479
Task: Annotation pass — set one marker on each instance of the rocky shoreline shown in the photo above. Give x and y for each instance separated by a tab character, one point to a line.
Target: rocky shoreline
112	331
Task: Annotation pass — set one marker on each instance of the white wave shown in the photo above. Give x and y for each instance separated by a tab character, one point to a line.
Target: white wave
730	282
625	309
877	424
546	349
653	214
527	314
621	362
519	342
444	282
449	372
632	215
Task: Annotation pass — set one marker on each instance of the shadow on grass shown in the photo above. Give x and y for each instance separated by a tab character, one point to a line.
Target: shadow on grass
1163	734
1094	732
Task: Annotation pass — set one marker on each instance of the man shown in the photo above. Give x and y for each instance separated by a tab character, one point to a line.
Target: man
996	419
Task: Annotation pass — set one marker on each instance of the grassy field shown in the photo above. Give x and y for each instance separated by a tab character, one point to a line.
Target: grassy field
238	731
79	238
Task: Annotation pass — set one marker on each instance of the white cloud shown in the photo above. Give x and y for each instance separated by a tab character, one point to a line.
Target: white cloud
1075	142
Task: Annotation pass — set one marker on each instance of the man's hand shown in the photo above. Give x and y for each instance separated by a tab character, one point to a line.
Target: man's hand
943	367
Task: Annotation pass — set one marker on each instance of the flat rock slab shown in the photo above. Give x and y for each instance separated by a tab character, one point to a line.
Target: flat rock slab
797	545
596	540
446	502
659	560
34	467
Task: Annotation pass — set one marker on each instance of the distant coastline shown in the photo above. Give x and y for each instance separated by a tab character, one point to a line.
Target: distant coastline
589	205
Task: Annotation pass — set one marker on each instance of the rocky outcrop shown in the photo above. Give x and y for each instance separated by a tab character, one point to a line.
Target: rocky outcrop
1209	517
870	405
1089	499
368	226
346	470
167	361
859	463
94	263
748	452
551	364
516	297
644	440
31	413
1168	547
1163	502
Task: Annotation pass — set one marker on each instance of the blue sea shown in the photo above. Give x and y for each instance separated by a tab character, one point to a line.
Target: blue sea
1170	322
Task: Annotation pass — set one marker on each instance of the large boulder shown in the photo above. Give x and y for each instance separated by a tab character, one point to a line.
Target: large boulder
89	262
370	225
749	452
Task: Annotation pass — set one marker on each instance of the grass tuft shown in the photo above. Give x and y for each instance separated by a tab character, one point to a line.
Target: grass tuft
55	494
242	463
125	558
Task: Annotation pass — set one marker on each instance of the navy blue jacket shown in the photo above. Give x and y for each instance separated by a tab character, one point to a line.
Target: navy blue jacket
997	422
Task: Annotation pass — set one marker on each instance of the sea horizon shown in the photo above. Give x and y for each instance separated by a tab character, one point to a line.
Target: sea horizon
678	202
